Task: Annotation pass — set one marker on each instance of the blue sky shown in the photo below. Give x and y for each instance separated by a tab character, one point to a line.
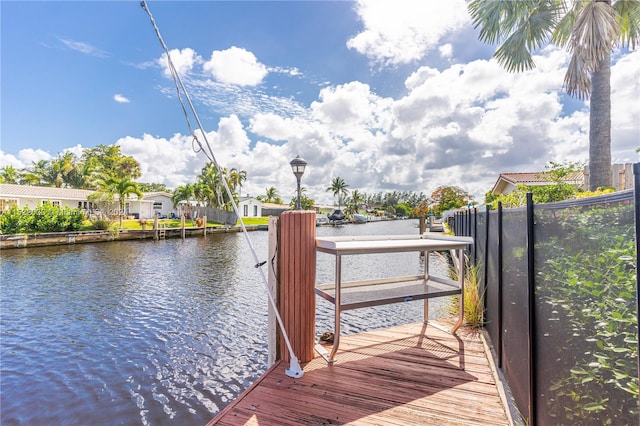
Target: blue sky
387	95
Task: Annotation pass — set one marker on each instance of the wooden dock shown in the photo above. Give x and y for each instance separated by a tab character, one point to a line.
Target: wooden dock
405	375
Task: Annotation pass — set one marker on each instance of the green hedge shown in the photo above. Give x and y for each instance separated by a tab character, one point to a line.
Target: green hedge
45	218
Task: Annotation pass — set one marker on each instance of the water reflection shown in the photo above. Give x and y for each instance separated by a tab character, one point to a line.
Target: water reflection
150	333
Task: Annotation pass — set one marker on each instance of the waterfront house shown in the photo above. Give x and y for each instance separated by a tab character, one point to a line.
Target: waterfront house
621	179
508	182
249	207
34	196
162	203
272	209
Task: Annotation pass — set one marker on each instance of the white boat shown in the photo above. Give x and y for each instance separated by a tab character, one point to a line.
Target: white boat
322	219
359	218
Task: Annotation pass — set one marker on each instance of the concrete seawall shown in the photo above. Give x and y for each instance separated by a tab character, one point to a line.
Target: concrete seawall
80	237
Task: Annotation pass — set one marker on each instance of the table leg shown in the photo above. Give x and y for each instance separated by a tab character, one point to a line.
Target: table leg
461	296
337	307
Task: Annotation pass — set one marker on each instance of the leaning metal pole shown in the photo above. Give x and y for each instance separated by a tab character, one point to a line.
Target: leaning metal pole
294	369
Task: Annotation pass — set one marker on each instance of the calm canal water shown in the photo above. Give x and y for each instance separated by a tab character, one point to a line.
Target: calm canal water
156	333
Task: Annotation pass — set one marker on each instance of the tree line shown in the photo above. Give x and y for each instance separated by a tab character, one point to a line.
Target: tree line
113	175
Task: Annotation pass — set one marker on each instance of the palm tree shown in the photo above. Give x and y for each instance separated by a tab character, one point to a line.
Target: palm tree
40	173
589	29
236	179
356	200
272	196
63	167
122	187
182	193
213	178
9	174
339	189
201	193
306	203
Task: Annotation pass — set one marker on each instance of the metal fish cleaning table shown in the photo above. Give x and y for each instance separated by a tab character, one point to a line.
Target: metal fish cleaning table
375	292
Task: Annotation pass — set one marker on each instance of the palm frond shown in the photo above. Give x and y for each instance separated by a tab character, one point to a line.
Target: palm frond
628	17
524	25
595	33
492	17
513	54
577	79
564	28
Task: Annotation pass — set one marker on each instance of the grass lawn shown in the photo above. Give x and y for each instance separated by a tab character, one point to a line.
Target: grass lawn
255	220
175	223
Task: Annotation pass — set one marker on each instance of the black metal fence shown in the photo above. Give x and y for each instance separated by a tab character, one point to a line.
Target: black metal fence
560	284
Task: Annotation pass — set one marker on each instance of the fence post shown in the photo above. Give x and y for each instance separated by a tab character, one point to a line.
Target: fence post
636	191
531	302
475	235
500	281
485	281
296	279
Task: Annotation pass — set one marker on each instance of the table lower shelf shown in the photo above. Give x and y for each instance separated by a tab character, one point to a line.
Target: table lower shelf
360	294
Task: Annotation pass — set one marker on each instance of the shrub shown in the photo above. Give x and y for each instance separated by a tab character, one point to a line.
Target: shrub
101	223
473	293
10	220
45	218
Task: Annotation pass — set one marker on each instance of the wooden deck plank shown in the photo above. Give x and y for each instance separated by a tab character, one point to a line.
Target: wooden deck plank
397	376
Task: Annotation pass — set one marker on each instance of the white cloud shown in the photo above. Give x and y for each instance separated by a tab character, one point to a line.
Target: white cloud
275	127
183	61
84	48
29	155
402	31
446	50
10	160
625	111
172	161
121	98
462	125
235	66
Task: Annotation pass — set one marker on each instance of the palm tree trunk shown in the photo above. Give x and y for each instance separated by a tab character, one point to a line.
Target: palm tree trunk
600	126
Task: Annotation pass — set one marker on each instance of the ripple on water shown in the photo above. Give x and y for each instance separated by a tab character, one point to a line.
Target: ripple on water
152	333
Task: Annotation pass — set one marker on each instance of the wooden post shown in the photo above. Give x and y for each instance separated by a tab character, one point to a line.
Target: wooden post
204	226
155	227
423	225
272	263
182	226
297	277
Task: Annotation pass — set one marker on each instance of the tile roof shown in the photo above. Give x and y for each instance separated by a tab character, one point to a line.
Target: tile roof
532	179
538	177
44	192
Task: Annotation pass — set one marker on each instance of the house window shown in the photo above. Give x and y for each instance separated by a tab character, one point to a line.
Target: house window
52	202
255	211
157	205
245	211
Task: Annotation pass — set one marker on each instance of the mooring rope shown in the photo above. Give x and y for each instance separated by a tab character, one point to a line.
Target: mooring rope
294	369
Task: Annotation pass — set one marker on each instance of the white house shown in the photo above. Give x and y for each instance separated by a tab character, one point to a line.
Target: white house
162	204
250	207
34	196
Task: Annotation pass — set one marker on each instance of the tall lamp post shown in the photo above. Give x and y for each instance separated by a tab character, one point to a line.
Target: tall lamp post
298	165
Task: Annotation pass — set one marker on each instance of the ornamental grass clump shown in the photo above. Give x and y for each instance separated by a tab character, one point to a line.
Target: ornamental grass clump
473	293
